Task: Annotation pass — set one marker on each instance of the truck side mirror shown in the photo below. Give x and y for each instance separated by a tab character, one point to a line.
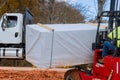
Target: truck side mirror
4	23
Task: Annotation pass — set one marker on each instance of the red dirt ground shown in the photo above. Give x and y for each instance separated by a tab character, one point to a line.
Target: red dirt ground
31	74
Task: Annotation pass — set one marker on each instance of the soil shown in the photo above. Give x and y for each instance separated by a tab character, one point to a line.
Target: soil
31	74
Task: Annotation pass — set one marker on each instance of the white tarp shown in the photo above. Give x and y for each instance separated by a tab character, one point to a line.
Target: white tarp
67	45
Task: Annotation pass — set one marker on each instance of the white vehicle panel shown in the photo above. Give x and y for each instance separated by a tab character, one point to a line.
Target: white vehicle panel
8	35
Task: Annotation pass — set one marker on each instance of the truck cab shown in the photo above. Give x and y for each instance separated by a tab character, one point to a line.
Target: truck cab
12	34
11	25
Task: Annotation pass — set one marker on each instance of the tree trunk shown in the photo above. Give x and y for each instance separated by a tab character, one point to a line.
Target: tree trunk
100	6
51	10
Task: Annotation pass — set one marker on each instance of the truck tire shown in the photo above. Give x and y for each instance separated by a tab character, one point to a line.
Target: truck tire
73	74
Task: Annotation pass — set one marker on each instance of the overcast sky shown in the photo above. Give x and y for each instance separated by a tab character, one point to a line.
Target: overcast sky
90	4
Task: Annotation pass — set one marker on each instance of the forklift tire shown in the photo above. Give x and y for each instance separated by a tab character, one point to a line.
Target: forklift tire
73	74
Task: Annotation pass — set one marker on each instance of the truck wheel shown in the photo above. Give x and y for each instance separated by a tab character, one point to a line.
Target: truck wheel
72	75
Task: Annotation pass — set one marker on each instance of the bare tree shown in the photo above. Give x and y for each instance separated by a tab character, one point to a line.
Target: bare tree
100	6
51	7
83	9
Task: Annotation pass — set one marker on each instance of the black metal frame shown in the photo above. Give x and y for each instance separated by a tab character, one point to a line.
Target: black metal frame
113	14
114	17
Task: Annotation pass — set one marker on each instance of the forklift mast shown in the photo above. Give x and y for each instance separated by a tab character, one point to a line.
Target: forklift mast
114	6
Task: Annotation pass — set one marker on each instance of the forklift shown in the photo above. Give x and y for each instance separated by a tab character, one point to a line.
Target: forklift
110	69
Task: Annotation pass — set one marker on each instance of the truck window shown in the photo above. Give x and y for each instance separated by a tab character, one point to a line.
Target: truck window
11	21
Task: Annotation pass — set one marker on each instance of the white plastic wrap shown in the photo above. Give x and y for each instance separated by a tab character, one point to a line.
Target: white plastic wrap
69	44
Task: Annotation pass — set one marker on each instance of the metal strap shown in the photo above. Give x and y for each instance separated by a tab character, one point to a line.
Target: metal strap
52	47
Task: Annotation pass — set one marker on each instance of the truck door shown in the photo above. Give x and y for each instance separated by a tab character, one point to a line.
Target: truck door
10	30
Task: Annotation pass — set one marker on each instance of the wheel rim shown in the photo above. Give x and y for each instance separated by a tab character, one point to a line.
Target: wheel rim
69	78
72	75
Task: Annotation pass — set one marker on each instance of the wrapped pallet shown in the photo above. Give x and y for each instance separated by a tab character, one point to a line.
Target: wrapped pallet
58	45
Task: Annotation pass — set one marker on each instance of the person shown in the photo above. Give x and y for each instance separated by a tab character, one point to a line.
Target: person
108	45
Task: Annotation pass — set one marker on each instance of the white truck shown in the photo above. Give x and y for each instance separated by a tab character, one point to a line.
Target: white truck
12	34
45	46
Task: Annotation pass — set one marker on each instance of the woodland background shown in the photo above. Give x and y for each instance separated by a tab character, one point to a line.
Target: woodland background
45	11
